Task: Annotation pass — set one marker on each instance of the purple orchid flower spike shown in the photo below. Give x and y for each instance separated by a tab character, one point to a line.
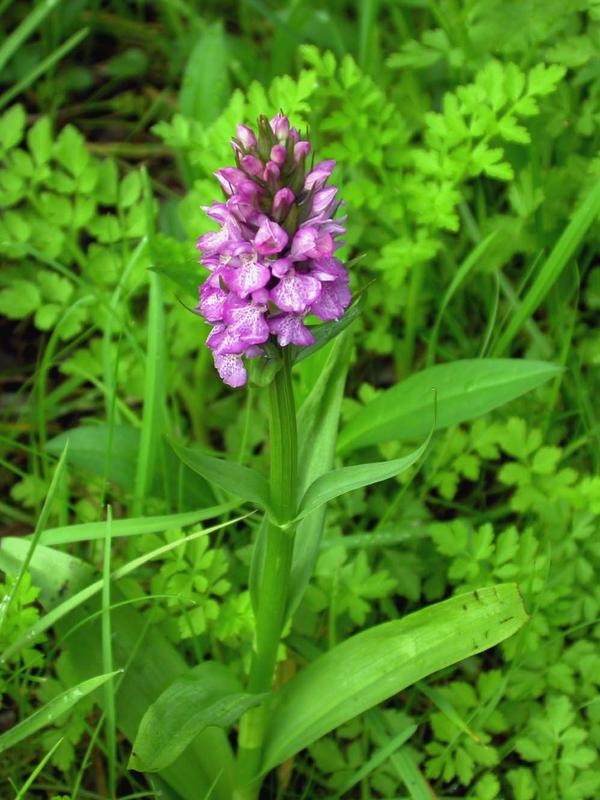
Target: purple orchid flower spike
271	262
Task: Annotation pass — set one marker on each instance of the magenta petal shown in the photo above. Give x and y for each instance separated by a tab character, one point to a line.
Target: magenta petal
248	278
224	340
304	243
282	202
246	321
280	125
301	150
212	300
328	269
333	301
319	174
230	178
231	369
278	154
295	292
252	165
290	329
246	136
322	200
213	241
280	267
270	238
310	242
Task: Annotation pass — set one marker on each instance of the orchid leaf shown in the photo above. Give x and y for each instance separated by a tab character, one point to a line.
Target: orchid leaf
318	420
347	479
234	478
464	390
209	695
380	662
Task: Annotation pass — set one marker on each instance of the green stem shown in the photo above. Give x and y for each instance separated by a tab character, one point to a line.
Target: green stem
274	578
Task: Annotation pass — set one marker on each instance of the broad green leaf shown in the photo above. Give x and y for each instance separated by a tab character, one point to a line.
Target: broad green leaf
47	714
234	478
20	299
12	125
464	390
39	139
209	695
382	661
347	479
205	86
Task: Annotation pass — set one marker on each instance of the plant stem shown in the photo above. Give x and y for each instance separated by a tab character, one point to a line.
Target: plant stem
274	578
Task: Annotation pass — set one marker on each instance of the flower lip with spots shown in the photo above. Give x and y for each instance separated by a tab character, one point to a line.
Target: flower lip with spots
271	261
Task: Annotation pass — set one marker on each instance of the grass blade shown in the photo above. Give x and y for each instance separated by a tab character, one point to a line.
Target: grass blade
48	713
42	519
558	259
44	65
154	380
33	20
461	274
107	661
137	526
377	759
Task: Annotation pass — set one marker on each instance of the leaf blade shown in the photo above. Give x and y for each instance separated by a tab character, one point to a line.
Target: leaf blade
209	695
377	663
236	479
464	390
340	481
49	712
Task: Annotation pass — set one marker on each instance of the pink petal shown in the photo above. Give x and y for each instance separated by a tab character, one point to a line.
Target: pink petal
333	301
231	369
212	300
248	278
290	329
295	292
270	238
319	174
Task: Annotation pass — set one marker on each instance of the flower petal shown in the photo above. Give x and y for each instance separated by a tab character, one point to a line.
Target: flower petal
333	301
231	369
290	329
270	238
248	278
295	292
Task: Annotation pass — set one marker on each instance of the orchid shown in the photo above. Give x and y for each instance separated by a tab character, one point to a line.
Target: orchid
272	262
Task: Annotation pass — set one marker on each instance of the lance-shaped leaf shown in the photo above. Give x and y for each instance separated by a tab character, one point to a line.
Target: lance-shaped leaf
382	661
464	390
318	420
347	479
208	696
234	478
